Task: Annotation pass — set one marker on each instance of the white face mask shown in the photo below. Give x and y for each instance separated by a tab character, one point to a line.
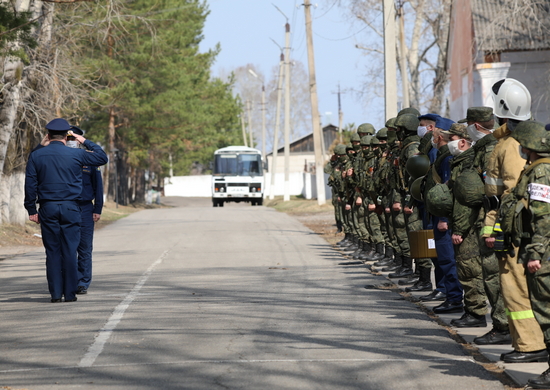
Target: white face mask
523	155
72	144
474	133
421	131
453	147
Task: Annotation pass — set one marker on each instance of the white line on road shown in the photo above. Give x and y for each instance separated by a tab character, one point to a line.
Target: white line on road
105	333
239	361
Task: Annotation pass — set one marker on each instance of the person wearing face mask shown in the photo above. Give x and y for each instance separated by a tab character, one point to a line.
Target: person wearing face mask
339	185
512	105
446	273
480	121
532	195
464	236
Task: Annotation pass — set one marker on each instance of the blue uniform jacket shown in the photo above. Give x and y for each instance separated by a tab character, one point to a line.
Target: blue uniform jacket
92	187
55	172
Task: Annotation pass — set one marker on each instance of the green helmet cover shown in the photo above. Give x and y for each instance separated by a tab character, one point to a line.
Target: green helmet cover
439	201
533	136
340	149
382	133
366	140
390	123
355	137
409	122
409	110
366	128
469	189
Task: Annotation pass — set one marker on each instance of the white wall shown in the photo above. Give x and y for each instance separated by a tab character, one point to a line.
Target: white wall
200	186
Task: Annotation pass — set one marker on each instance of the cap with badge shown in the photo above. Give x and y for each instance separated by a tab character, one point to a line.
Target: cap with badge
77	130
458	129
58	124
478	114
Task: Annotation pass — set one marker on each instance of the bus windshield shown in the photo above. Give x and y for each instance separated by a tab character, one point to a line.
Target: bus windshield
238	164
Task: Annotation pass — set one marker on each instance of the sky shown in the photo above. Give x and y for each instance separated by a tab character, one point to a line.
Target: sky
245	30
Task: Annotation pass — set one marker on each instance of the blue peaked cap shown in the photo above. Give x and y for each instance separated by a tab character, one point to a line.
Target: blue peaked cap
58	124
443	123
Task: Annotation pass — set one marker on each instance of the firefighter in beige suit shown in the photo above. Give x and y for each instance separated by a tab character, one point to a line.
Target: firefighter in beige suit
512	105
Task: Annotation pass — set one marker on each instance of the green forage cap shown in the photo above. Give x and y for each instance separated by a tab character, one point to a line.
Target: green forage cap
409	110
390	123
355	137
366	140
458	129
478	114
382	133
533	136
366	128
409	122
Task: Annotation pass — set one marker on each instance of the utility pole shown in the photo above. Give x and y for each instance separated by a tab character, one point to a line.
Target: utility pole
263	122
286	196
340	114
403	56
390	73
317	134
244	129
277	125
249	110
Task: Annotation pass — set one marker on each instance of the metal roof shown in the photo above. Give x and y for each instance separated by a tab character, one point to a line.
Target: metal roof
511	25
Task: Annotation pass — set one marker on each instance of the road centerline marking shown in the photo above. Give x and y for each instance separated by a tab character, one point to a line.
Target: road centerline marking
105	333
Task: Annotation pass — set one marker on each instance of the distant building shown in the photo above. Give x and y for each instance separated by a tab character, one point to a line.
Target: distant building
302	152
480	54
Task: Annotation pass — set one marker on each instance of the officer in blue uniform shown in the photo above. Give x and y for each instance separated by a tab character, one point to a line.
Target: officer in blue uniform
54	180
91	204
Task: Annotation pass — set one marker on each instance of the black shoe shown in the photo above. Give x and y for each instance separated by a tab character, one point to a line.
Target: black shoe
71	300
402	272
56	300
525	357
449	307
81	290
540	382
392	268
383	263
469	320
411	279
494	337
420	286
434	296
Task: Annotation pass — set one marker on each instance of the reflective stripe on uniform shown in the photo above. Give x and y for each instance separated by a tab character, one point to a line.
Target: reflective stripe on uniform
493	181
487	230
520	315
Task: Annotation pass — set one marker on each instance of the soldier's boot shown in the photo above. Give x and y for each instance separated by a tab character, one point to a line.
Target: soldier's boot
397	263
412	278
347	243
543	380
424	282
405	270
359	250
367	248
344	240
353	246
388	260
378	253
338	227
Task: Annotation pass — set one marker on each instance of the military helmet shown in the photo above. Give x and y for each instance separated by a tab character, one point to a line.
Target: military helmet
382	133
340	149
533	136
439	201
355	137
390	123
374	141
418	165
417	188
409	110
469	189
366	128
366	140
409	122
349	147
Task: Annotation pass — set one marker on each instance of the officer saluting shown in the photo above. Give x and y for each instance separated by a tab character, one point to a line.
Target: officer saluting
54	179
91	204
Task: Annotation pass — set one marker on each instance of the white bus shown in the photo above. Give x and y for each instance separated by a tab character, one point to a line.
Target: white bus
237	176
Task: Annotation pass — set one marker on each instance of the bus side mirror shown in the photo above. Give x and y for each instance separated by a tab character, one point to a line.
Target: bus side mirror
265	166
211	165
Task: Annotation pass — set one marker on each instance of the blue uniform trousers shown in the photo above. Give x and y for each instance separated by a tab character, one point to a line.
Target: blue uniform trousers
86	244
60	226
447	263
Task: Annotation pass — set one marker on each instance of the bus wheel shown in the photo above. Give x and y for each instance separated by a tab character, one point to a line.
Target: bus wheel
214	203
220	203
260	201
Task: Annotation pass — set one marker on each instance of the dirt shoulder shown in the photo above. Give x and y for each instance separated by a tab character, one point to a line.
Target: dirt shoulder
16	239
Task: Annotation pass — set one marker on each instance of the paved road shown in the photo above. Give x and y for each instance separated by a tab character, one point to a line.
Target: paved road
240	297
